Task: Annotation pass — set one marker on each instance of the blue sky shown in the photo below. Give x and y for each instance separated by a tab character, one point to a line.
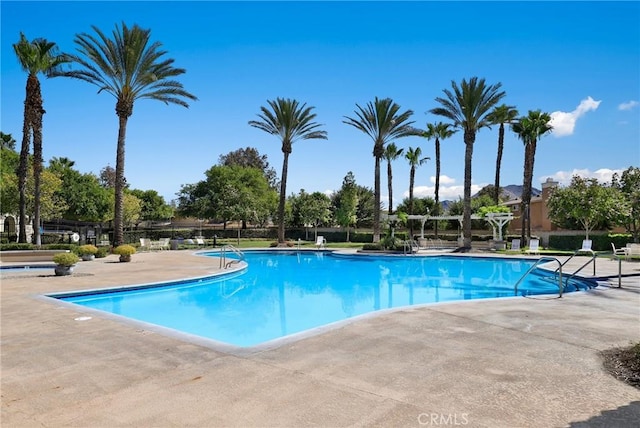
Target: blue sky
579	61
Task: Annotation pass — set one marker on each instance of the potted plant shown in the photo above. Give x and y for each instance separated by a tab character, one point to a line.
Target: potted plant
87	252
65	263
125	251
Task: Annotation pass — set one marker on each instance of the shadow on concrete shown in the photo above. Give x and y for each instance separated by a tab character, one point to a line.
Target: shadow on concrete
622	417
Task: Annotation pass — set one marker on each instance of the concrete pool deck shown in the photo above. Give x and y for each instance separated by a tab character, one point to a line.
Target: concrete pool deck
516	362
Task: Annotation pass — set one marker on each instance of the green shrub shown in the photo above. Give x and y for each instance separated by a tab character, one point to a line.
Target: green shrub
102	252
66	259
124	250
16	246
87	249
372	247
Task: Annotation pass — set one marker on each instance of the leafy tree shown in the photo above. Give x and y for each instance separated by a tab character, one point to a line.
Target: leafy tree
467	107
35	57
586	201
391	153
381	121
229	193
250	158
129	67
290	121
529	129
629	185
499	116
346	210
153	206
311	209
439	132
107	178
9	197
85	198
7	141
132	210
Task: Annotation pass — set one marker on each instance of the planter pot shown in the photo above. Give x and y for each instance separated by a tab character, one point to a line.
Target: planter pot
63	270
88	257
125	257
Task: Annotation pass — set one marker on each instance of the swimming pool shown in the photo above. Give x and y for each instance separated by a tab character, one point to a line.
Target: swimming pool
283	293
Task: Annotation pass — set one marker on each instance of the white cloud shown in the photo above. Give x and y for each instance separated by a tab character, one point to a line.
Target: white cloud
565	122
603	175
444	179
452	193
629	105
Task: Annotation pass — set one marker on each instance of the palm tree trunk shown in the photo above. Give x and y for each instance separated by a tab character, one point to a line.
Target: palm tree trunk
376	208
22	177
526	194
118	233
37	172
469	139
496	196
412	177
38	112
437	190
283	197
23	167
390	186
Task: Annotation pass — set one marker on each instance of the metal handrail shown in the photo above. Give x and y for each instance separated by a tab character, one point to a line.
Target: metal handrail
411	244
593	259
223	255
533	266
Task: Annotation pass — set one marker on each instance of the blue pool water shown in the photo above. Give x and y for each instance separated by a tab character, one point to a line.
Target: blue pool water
282	293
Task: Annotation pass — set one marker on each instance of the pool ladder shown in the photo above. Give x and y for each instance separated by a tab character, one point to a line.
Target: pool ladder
558	272
223	256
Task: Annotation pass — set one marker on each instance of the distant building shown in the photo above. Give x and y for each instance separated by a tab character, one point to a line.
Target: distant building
538	211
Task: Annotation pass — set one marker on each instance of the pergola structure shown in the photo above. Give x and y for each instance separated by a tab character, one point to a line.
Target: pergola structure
497	221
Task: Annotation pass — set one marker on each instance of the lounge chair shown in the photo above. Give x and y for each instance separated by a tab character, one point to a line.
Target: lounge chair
515	245
624	251
145	244
320	242
534	247
586	247
162	244
200	242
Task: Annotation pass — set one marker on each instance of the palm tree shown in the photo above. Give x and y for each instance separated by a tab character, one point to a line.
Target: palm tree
413	156
35	57
7	141
467	107
391	153
381	121
129	67
529	129
438	131
291	122
499	116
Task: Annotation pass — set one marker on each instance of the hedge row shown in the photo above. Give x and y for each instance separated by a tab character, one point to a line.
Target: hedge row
599	242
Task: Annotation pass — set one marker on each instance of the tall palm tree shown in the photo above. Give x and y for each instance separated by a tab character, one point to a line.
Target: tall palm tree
499	116
438	131
467	107
529	129
382	121
35	57
391	153
291	122
129	67
415	160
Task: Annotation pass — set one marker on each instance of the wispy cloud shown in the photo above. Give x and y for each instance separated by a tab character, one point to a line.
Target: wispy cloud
565	122
603	175
629	105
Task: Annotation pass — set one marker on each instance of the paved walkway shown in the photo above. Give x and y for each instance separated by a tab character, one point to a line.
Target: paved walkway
518	362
